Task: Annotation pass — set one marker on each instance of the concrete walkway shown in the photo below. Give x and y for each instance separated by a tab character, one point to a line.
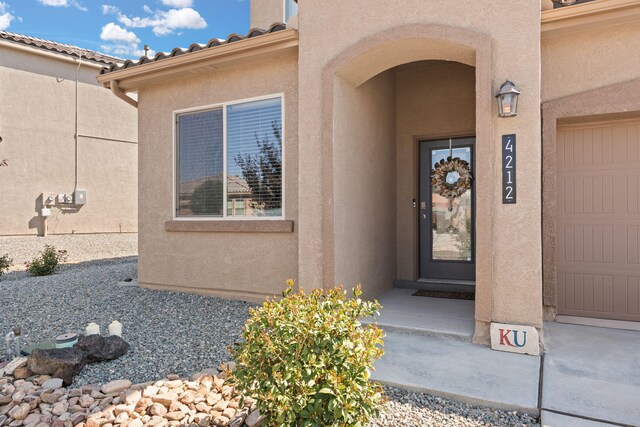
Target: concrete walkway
592	373
426	316
591	376
460	370
428	349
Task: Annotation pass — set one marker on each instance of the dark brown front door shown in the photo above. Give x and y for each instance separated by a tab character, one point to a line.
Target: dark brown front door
447	232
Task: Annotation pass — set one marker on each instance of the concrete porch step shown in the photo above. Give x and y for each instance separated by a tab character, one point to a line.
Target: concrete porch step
460	370
402	312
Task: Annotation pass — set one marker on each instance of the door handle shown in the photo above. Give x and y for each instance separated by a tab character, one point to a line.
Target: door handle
415	204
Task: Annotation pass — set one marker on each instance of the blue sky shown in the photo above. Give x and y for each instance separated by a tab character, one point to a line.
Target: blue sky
123	27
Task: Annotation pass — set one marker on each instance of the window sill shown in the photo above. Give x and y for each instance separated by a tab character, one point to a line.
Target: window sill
230	226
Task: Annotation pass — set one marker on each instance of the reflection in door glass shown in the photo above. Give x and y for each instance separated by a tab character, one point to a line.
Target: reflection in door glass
452	231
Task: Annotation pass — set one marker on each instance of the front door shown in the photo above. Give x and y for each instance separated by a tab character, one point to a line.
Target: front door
447	228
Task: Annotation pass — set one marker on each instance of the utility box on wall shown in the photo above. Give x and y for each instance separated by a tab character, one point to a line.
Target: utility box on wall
80	197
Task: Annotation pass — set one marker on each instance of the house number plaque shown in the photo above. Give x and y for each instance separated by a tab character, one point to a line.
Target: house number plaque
509	169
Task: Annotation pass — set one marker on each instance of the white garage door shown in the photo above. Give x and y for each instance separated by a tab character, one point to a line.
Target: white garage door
598	220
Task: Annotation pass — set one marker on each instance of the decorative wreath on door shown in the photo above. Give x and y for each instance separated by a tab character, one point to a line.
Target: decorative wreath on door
451	178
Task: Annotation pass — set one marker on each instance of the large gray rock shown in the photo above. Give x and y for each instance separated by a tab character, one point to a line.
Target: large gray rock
98	348
61	363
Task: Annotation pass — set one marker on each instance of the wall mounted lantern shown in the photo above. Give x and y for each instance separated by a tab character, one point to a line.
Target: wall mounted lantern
508	100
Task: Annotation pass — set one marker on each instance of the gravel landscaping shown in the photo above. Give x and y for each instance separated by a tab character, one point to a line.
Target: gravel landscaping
170	333
80	247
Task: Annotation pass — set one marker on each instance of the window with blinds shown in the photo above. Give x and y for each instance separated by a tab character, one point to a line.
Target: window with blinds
200	164
244	183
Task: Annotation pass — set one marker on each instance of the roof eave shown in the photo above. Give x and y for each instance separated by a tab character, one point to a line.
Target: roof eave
236	53
588	15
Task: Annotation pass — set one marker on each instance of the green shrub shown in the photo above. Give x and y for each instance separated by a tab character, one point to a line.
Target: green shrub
5	263
47	262
306	359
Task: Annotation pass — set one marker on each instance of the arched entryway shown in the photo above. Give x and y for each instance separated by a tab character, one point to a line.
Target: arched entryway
382	97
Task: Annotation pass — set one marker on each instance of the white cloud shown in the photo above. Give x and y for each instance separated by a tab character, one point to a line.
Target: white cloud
166	22
178	3
114	32
123	41
5	16
64	3
108	9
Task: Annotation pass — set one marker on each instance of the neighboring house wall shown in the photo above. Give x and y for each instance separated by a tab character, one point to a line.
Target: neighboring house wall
266	12
37	124
247	264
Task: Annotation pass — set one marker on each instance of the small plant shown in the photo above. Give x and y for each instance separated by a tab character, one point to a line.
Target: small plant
306	359
5	263
47	262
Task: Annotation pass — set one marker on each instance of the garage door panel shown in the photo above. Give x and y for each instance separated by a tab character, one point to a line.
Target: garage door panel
597	224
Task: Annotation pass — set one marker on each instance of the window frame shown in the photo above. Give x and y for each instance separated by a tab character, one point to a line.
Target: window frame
223	106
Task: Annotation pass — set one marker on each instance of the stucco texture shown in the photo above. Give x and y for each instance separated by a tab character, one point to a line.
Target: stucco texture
37	124
266	12
228	264
509	242
585	60
364	176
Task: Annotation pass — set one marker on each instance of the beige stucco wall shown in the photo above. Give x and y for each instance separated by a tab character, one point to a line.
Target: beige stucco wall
37	124
589	59
365	191
246	265
512	237
433	101
266	12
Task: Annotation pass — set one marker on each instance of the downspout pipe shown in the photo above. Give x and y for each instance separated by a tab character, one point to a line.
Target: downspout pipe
75	185
113	84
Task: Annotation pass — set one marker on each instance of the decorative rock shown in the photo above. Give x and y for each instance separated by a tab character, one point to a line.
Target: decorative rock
255	419
221	421
116	386
157	421
78	418
135	423
19	413
150	391
4	400
158	409
49	397
174	416
52	384
22	373
165	399
86	401
97	348
123	417
75	392
133	397
60	408
172	377
16	363
60	362
173	384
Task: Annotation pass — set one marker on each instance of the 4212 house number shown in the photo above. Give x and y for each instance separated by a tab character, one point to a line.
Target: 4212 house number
509	169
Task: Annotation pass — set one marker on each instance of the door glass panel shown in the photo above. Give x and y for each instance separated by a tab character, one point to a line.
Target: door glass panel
451	230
